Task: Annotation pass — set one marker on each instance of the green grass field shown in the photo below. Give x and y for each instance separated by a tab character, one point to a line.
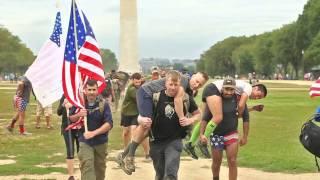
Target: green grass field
273	140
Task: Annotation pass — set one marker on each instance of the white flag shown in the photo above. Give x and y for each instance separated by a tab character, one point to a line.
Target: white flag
45	73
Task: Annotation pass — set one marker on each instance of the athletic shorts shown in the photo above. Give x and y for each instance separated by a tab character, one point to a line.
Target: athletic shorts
145	103
19	103
210	90
220	142
127	121
71	137
47	111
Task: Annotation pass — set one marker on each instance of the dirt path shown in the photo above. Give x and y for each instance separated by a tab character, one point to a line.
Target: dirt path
189	170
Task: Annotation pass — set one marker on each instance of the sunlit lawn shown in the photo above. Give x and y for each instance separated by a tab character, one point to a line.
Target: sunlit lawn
273	141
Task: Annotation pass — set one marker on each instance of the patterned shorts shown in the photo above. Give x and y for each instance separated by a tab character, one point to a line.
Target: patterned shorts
19	103
220	142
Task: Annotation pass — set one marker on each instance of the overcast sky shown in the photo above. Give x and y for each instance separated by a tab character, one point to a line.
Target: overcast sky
167	28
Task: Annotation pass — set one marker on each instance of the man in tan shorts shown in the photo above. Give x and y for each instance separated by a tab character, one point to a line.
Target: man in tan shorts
47	111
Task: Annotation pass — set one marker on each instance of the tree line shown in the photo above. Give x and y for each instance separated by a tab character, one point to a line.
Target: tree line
292	49
16	57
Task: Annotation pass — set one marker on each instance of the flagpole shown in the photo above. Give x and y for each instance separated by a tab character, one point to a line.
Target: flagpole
76	49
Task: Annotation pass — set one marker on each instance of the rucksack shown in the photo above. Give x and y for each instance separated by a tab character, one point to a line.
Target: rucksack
310	138
107	91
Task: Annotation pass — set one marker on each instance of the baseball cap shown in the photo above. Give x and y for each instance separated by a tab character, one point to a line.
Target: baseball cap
229	82
155	72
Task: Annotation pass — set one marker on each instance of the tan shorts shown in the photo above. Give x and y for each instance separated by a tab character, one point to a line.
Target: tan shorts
47	111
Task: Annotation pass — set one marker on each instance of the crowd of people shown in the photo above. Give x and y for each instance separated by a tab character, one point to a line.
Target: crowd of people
157	112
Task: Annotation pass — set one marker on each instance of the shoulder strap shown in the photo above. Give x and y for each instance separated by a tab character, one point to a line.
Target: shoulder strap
102	103
186	101
155	98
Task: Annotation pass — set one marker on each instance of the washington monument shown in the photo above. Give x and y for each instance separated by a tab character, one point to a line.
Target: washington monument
128	36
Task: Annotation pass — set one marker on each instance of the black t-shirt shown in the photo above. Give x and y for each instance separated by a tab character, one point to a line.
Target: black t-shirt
165	126
210	90
229	122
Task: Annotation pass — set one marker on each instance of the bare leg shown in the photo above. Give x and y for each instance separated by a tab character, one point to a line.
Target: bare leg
14	120
48	122
126	136
70	167
216	162
146	147
232	151
37	121
139	134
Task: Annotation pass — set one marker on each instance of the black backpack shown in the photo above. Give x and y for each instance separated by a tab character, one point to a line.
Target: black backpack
310	138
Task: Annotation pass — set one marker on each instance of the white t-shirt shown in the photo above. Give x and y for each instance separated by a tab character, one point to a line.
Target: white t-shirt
241	87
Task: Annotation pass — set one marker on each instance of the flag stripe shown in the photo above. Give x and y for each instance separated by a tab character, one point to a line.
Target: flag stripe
91	44
83	59
315	89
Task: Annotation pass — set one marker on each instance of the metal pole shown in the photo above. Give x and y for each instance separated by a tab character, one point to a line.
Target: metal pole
76	49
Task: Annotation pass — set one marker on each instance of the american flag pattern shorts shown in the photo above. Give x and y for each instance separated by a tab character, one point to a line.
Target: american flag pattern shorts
220	142
19	103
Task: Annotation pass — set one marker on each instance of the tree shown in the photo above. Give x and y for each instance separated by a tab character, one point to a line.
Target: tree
109	60
14	55
264	55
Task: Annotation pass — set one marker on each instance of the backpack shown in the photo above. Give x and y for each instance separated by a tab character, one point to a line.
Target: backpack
310	138
107	91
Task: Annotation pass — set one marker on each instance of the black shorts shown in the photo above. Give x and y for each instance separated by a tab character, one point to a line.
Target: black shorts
71	137
210	90
127	121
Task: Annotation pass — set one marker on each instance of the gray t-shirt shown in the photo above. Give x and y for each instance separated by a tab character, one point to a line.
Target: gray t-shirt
158	85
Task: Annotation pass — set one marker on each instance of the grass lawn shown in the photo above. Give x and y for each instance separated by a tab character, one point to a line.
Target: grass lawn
273	139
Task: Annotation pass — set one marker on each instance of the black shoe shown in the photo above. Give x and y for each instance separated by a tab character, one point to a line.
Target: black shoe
204	150
188	148
71	178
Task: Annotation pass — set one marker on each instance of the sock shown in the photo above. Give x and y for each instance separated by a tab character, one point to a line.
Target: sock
210	128
13	122
21	127
195	134
216	178
126	150
133	148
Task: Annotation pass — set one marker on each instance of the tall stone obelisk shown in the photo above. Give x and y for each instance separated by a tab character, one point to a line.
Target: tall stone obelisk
128	36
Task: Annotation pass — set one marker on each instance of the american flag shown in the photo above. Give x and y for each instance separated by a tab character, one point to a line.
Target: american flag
89	60
88	65
315	89
57	30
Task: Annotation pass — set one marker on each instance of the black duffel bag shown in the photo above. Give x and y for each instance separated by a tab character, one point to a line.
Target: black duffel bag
310	138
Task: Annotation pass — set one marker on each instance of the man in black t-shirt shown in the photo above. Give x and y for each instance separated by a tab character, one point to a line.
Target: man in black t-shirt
225	136
168	131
